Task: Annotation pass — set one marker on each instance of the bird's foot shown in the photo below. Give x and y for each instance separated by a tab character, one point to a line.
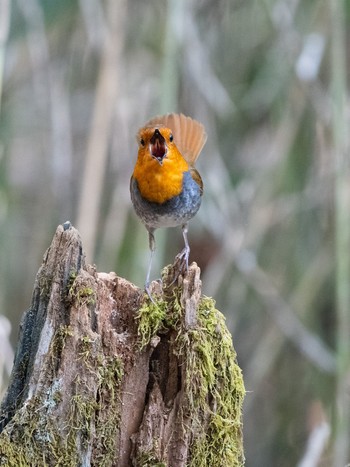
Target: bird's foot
180	266
148	292
181	260
148	289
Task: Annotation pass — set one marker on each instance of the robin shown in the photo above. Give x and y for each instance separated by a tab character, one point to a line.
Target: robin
166	189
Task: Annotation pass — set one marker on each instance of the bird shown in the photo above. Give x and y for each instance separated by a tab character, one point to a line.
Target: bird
166	190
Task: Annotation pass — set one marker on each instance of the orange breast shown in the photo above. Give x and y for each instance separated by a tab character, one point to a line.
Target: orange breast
159	183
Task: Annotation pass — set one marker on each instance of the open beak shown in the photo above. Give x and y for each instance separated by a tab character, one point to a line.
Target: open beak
158	147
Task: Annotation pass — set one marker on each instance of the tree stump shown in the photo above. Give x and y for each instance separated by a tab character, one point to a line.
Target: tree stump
104	377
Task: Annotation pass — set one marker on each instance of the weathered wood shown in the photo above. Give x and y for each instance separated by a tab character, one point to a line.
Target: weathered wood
104	377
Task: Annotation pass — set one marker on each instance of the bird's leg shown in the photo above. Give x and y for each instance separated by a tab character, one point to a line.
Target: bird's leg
185	253
152	247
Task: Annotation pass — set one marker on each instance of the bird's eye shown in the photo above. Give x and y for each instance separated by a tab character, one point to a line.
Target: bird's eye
171	138
142	142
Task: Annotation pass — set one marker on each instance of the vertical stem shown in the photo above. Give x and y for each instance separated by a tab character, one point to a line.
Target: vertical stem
5	346
342	227
105	101
4	30
171	61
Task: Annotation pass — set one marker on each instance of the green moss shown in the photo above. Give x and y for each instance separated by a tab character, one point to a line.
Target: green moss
34	437
45	285
214	385
71	279
80	290
59	340
10	454
107	428
151	320
85	348
86	296
174	313
158	316
147	459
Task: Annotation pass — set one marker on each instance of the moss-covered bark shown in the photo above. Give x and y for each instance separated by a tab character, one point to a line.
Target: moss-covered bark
104	377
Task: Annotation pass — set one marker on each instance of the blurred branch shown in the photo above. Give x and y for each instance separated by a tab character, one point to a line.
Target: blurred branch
228	205
61	138
38	49
95	23
5	9
6	352
52	98
171	66
342	228
269	347
97	149
284	316
201	70
316	445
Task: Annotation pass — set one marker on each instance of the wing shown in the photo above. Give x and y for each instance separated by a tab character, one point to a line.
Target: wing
189	135
197	178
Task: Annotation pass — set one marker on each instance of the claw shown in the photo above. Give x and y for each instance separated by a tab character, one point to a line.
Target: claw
183	256
148	292
181	263
185	253
148	289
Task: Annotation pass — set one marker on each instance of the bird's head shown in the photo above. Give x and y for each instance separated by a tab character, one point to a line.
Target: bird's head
155	142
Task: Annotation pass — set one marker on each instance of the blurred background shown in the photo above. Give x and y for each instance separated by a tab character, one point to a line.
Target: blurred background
268	80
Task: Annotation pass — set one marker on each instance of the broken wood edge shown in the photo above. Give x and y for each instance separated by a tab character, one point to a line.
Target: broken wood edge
170	364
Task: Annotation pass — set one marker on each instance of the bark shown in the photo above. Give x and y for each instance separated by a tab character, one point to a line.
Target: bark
104	377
